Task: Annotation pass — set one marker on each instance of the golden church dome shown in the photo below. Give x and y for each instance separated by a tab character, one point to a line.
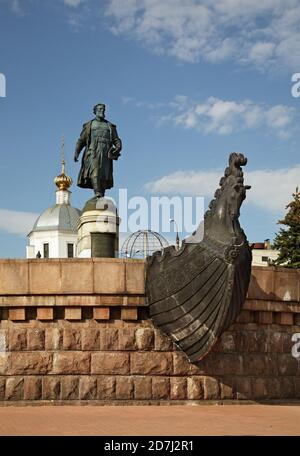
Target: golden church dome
63	182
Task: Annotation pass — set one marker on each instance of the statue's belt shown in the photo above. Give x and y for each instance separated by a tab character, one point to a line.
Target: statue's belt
102	139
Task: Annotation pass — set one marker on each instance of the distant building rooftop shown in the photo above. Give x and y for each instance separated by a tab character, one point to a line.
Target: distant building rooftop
262	253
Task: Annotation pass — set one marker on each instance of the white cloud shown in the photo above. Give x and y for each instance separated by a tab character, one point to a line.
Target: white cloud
15	6
271	189
17	222
73	3
262	53
222	117
259	32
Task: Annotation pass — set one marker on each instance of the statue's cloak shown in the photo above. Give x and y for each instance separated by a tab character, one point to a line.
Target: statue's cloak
105	165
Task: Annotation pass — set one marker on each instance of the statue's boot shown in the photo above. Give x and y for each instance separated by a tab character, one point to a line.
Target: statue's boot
97	188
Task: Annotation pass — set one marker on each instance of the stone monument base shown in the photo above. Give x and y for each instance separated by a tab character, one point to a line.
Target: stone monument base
98	229
78	332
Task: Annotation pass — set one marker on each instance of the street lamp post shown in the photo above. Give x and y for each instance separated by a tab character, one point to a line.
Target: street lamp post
177	235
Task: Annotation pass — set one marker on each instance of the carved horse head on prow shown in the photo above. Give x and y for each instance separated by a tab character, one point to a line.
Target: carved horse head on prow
221	220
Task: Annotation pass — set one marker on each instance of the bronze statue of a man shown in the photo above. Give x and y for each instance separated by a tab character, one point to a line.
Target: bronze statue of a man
102	145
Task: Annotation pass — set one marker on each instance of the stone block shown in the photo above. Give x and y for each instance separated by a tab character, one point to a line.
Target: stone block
3	339
111	363
276	339
246	316
136	301
259	388
88	388
182	366
51	388
129	313
77	300
220	364
36	339
273	388
2	388
143	388
14	389
69	388
254	341
77	276
71	339
45	313
287	388
45	277
17	314
14	277
112	300
90	339
32	388
228	342
211	388
106	388
144	338
296	386
286	285
30	363
135	277
151	363
243	388
195	388
162	342
178	388
109	276
101	313
287	365
126	339
248	341
256	364
261	283
109	339
124	388
73	313
265	318
66	363
53	338
284	318
17	339
287	342
226	389
161	388
4	363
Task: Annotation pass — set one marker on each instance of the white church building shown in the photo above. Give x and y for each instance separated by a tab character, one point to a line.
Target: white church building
54	234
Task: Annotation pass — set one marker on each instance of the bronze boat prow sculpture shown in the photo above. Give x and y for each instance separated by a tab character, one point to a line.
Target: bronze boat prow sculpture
194	294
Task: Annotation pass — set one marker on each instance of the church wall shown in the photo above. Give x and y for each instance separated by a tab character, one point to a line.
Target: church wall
78	331
57	242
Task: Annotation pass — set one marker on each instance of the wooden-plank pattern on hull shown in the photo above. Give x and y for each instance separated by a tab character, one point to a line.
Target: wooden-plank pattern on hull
195	293
192	315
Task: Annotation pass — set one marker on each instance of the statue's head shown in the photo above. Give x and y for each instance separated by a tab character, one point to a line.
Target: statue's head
99	110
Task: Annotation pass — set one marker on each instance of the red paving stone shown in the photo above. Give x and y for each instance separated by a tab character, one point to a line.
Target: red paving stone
151	420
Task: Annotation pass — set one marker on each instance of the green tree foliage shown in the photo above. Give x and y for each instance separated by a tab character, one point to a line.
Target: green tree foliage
287	240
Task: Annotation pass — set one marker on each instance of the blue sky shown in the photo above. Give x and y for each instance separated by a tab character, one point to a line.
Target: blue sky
186	82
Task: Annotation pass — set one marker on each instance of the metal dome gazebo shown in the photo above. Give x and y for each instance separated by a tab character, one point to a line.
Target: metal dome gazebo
143	243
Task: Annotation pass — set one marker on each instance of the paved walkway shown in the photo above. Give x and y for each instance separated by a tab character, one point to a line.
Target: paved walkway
151	420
